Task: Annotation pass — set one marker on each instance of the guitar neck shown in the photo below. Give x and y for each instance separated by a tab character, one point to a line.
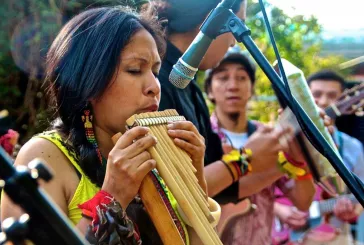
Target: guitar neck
327	206
351	101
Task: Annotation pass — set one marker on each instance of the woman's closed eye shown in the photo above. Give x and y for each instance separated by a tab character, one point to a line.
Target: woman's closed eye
139	71
135	71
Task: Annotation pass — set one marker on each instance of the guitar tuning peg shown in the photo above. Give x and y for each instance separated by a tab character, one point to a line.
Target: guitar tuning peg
359	112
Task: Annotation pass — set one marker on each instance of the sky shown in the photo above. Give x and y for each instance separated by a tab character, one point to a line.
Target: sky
333	15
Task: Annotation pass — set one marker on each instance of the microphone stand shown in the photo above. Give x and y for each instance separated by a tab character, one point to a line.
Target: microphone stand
231	23
46	224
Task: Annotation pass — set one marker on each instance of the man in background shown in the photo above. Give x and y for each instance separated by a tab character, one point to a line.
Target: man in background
229	86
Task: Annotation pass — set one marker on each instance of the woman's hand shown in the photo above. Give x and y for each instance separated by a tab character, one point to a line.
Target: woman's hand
128	163
186	136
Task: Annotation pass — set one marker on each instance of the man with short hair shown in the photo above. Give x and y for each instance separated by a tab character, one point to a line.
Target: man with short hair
229	86
326	87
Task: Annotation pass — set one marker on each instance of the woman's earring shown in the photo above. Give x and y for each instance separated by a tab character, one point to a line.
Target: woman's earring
89	130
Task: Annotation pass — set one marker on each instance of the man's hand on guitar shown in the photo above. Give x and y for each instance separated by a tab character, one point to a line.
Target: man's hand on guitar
328	122
345	210
265	145
290	215
291	145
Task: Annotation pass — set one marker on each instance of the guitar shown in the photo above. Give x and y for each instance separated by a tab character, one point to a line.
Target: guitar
320	208
350	102
317	210
230	212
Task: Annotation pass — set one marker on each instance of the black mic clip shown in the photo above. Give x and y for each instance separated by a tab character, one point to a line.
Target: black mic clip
217	22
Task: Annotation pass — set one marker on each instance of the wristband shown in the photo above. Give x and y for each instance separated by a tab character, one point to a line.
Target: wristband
294	162
238	163
291	169
307	176
99	201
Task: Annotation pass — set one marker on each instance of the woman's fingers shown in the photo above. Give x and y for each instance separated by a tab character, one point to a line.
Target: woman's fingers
144	168
130	136
130	145
184	125
140	159
186	136
140	145
188	147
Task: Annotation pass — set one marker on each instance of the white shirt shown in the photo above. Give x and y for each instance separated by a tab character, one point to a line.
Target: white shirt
237	140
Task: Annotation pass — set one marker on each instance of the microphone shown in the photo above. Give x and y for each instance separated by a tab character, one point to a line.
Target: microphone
187	66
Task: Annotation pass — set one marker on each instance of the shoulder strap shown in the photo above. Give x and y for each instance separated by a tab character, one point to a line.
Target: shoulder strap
65	147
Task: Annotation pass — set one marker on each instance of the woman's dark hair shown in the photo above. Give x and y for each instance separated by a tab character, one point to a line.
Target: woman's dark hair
182	16
327	75
81	64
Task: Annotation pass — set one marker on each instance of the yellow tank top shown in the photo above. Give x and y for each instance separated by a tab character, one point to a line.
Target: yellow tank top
85	189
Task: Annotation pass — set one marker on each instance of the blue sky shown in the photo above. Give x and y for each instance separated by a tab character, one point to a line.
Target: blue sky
335	16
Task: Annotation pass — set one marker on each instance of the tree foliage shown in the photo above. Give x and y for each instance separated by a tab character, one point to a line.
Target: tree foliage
298	40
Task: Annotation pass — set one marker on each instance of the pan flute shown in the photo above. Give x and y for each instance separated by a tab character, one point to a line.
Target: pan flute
175	167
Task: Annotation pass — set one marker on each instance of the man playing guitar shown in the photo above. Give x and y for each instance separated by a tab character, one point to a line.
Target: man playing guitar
327	88
229	86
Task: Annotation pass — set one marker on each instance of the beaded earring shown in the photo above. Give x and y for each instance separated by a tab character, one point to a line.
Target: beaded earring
89	130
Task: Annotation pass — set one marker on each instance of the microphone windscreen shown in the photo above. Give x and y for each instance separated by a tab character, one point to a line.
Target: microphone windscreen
182	74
